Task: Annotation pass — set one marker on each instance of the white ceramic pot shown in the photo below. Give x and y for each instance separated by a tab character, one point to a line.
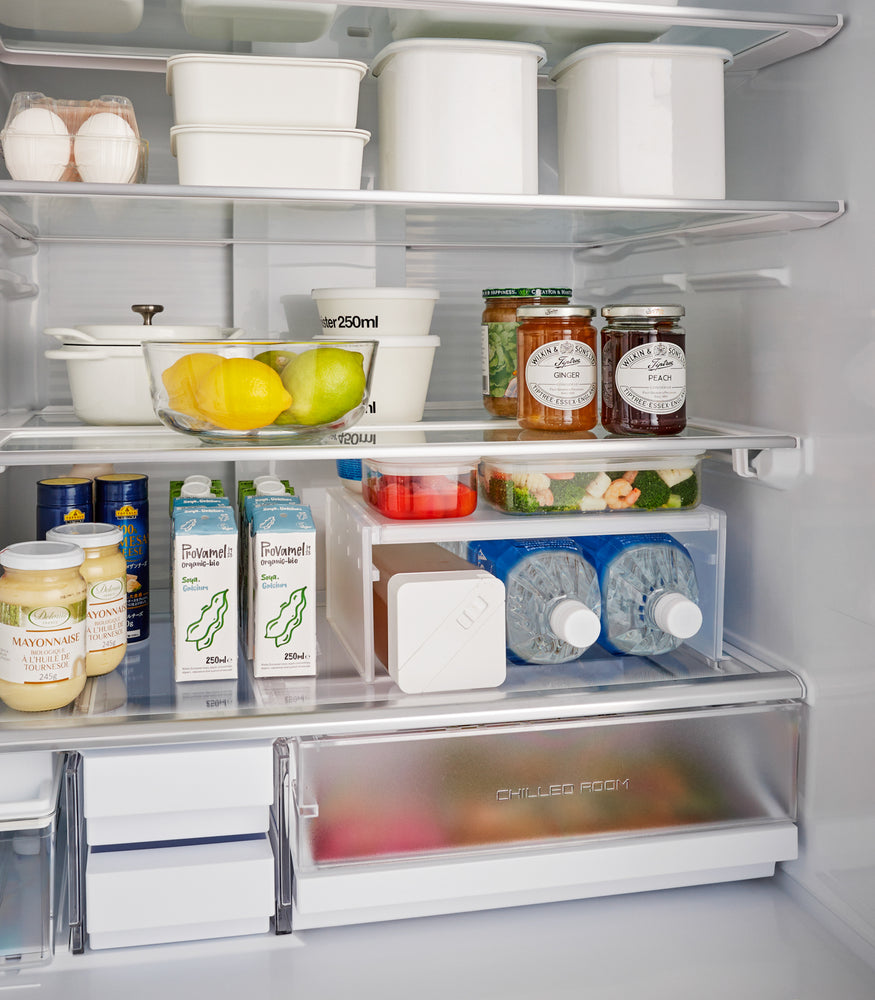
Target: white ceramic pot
385	312
642	121
457	115
108	384
211	89
242	156
103	334
399	380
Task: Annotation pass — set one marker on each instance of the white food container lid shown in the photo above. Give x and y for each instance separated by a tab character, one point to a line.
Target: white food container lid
398	467
465	46
375	293
263	130
229	60
87	535
632	49
41	555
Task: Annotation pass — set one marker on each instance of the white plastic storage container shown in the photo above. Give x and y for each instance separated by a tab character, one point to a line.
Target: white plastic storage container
179	893
458	116
29	791
386	312
137	795
213	89
249	156
642	120
400	377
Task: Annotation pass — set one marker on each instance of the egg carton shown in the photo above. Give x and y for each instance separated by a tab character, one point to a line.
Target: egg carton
96	141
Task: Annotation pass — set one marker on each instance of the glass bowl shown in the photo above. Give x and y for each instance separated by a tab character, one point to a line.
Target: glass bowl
259	391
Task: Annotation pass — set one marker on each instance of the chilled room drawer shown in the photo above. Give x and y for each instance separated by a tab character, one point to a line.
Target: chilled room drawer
441	794
141	794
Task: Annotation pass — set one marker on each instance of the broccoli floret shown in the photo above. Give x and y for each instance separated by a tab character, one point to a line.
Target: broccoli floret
523	501
499	492
567	492
654	492
688	490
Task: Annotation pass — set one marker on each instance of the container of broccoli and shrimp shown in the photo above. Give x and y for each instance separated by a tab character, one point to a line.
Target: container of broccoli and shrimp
577	486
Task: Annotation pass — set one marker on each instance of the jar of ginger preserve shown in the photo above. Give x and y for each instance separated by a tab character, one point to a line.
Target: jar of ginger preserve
42	625
557	366
644	370
105	573
499	342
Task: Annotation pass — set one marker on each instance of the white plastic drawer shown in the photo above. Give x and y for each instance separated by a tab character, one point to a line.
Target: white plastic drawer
137	795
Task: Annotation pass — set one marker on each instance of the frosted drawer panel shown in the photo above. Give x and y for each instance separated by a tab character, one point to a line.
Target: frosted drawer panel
426	793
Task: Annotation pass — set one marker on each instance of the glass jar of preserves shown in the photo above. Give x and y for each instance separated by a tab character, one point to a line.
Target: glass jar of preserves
644	370
42	625
499	342
105	573
557	366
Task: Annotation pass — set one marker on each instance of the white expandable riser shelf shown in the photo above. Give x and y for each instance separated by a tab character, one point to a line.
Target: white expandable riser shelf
658	861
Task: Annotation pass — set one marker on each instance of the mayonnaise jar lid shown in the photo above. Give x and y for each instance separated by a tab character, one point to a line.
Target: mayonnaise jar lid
41	555
87	534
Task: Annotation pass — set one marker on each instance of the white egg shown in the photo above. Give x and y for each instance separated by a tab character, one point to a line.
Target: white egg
36	146
105	149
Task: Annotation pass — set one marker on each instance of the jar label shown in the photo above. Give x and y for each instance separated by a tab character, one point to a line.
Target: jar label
107	614
653	377
561	374
42	644
499	359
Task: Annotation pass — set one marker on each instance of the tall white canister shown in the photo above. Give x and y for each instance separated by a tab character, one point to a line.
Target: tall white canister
642	120
458	115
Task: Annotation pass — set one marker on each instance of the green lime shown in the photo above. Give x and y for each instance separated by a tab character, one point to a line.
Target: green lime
278	360
324	384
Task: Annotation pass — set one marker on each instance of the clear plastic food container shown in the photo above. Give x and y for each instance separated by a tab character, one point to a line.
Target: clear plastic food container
408	491
571	486
96	141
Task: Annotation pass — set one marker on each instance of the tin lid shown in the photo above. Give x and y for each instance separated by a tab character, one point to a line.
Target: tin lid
525	312
41	555
63	491
121	486
87	534
527	293
646	312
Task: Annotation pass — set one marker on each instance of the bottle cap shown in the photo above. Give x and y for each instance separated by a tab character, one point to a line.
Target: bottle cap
64	491
195	489
269	488
120	487
676	614
575	623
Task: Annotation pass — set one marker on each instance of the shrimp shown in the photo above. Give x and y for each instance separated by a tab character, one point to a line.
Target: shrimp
620	494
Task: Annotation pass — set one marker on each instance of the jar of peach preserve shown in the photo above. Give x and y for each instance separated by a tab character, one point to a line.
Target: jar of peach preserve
557	368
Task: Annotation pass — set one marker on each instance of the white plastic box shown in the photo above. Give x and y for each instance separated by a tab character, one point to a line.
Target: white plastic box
458	116
382	311
184	893
138	795
249	156
213	89
641	120
29	791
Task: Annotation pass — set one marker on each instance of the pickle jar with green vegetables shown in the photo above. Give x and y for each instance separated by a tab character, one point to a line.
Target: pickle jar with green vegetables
499	332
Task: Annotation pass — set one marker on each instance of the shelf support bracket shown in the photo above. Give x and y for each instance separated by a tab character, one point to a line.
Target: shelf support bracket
778	468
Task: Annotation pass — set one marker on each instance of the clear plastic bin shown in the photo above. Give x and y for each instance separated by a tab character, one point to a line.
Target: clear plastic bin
29	790
411	491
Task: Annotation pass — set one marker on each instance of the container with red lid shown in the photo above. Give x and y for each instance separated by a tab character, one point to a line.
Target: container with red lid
420	491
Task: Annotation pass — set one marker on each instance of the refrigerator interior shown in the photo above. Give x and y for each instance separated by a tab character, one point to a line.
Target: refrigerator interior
779	336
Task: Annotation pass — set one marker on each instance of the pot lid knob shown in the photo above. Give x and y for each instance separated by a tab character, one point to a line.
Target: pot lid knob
147	312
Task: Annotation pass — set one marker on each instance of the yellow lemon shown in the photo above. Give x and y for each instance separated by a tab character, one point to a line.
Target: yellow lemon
324	384
241	394
182	376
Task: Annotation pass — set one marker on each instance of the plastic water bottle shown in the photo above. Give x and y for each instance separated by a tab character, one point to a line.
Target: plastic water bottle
551	596
649	592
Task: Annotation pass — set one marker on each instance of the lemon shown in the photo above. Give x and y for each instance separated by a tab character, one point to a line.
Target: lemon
182	376
324	384
240	394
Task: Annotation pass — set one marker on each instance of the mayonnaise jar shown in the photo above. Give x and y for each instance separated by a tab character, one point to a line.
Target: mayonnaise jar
105	573
42	625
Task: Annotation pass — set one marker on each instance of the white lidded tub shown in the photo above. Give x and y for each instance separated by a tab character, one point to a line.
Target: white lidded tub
458	115
385	311
231	156
211	89
642	120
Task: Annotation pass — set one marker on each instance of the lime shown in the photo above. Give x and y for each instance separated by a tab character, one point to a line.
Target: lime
324	384
278	360
241	394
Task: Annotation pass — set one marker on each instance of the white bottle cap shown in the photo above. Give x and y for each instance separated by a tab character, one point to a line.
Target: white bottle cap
269	488
575	623
196	489
676	614
197	478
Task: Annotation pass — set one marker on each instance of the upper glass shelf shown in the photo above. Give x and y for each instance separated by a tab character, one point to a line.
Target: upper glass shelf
75	212
141	34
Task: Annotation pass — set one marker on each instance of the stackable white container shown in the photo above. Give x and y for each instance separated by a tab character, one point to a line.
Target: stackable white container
384	311
400	377
458	115
232	156
207	88
642	120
